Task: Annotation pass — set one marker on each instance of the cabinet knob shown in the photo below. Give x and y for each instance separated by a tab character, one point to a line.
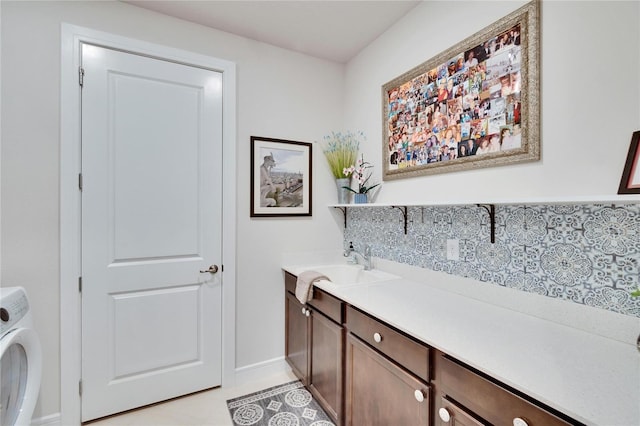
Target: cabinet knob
378	338
304	310
419	395
444	414
518	421
308	312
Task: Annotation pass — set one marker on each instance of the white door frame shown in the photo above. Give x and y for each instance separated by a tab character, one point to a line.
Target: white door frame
70	201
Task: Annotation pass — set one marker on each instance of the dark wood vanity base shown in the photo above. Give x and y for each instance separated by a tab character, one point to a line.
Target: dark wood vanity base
365	372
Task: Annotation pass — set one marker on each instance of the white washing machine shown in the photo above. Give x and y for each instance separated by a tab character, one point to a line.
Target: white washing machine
21	358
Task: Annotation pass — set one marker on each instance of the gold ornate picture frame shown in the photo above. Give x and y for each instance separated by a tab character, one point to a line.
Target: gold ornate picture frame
472	106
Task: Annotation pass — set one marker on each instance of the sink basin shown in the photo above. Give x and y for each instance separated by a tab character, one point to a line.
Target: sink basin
352	274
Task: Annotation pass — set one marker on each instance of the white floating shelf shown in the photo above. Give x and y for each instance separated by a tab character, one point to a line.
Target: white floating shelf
590	199
489	204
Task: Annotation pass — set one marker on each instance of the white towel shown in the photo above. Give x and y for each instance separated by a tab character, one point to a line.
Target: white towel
304	285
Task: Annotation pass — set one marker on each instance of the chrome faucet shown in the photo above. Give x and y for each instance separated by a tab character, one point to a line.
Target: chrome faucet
366	256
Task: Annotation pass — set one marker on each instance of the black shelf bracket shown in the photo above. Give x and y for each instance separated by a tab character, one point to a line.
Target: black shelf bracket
403	209
344	212
491	209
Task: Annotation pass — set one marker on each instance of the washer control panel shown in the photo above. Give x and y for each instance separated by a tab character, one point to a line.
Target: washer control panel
13	307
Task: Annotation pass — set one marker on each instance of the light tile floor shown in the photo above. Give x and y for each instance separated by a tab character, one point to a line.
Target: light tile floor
203	408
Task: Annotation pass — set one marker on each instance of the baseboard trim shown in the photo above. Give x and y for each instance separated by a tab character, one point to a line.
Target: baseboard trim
259	370
50	420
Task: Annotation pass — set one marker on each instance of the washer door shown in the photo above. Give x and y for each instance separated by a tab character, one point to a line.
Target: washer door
21	369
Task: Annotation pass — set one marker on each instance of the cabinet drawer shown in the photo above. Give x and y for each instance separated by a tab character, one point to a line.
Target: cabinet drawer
321	301
405	351
290	282
488	400
327	304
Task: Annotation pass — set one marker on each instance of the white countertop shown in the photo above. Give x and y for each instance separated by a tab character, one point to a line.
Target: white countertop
589	377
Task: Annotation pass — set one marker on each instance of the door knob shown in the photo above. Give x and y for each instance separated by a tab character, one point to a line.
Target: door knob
212	270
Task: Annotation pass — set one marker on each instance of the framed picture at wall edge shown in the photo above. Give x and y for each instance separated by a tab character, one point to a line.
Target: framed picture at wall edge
473	105
630	181
280	177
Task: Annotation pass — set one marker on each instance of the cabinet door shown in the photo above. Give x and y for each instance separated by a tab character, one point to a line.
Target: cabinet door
325	380
378	392
449	414
297	337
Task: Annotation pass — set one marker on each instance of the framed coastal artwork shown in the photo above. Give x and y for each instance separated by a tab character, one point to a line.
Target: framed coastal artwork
630	181
280	177
473	105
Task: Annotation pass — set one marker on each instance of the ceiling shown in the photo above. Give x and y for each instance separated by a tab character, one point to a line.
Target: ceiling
331	29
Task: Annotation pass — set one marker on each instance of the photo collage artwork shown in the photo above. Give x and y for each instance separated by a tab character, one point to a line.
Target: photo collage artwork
467	106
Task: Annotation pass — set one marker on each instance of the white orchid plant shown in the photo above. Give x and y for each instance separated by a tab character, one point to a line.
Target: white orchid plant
362	175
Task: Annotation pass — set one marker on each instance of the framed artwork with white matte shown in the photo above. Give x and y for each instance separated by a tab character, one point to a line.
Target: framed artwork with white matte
280	177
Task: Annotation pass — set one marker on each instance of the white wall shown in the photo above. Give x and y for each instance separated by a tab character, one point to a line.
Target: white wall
0	149
280	94
590	103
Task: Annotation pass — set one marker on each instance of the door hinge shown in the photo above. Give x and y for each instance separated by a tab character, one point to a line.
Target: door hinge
80	387
81	76
80	181
80	284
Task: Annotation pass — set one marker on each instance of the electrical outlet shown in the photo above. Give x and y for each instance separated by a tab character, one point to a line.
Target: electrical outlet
453	249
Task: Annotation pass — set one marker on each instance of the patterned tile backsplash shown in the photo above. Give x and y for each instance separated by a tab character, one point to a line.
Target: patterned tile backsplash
587	254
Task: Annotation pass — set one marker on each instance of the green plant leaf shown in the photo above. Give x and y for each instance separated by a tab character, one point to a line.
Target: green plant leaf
370	188
341	151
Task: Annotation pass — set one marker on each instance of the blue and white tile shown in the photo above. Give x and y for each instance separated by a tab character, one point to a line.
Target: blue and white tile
588	254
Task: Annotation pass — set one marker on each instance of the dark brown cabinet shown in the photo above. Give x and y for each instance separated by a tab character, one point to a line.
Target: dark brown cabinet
387	375
485	400
410	354
325	380
314	346
297	337
379	392
366	372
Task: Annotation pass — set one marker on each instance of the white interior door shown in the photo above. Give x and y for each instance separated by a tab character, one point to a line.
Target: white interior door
151	221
